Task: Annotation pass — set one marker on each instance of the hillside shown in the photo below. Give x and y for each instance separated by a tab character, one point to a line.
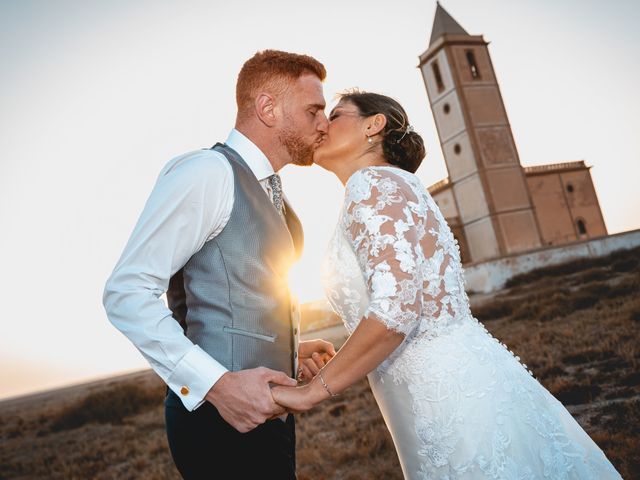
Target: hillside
575	326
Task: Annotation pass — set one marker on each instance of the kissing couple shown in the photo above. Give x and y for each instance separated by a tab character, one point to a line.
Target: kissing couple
218	236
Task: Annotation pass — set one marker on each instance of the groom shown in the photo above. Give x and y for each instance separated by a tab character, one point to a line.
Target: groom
218	236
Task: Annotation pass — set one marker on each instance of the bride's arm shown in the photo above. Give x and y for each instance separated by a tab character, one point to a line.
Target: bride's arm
370	343
387	231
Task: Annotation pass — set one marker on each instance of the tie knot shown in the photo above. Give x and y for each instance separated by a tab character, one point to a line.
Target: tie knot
276	191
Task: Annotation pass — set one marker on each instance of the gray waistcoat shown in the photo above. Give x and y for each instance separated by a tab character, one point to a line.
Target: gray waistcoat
232	296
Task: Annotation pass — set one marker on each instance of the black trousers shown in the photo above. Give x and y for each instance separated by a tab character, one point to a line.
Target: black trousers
205	447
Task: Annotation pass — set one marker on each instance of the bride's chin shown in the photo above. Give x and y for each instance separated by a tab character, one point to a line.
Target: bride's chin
318	160
324	159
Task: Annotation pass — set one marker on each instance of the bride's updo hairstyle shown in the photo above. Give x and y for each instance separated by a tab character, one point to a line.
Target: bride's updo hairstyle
401	146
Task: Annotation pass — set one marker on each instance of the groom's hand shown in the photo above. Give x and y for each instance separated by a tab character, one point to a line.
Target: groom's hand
244	398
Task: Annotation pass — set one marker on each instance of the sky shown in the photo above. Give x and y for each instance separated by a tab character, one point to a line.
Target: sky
95	97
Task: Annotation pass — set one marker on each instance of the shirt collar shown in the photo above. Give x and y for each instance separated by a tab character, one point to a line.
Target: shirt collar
251	154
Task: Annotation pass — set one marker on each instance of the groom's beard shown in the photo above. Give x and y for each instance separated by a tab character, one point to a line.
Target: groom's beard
300	152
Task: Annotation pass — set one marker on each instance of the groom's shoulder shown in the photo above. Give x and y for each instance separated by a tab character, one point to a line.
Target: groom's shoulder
196	163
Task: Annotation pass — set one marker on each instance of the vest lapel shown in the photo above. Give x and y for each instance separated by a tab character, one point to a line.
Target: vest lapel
295	228
292	221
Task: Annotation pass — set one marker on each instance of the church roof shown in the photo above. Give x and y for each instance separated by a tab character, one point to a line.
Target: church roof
444	23
529	171
439	186
555	167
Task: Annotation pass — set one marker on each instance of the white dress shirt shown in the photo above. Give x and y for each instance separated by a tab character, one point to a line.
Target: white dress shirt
190	204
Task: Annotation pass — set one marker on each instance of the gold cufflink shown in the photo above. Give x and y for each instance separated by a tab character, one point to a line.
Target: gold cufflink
184	390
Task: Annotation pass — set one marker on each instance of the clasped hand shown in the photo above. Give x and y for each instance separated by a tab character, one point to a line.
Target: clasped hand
245	399
313	355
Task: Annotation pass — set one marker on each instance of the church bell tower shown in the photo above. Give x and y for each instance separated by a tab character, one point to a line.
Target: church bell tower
488	183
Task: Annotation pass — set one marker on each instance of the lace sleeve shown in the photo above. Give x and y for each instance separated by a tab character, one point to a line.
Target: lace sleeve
387	226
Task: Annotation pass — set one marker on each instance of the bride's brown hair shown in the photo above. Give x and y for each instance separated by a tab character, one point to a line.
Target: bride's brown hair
401	146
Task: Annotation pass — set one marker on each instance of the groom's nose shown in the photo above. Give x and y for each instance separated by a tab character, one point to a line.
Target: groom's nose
323	123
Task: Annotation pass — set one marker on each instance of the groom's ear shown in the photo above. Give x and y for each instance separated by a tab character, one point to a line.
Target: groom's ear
375	124
265	109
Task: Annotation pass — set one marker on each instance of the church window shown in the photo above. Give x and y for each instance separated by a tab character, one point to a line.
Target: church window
569	188
457	149
436	73
473	66
446	108
582	228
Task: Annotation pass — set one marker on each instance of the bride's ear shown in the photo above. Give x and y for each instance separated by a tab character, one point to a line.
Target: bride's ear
375	124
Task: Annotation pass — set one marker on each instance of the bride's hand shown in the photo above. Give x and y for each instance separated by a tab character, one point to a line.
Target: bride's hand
313	355
294	399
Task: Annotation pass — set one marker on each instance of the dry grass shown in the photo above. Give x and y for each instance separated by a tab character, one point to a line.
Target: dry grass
113	430
576	326
346	438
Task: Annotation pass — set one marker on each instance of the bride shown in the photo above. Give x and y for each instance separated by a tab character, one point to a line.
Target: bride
458	404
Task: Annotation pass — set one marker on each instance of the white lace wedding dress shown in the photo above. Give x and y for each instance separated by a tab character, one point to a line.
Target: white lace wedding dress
458	404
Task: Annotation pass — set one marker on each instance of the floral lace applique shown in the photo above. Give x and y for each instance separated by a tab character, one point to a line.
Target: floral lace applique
403	247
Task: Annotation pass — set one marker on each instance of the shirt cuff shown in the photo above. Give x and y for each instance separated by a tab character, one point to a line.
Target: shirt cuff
194	376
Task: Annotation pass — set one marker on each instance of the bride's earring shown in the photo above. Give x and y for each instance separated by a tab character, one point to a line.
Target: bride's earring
369	140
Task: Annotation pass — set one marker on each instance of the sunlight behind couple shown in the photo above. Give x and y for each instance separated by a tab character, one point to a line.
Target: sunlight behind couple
302	282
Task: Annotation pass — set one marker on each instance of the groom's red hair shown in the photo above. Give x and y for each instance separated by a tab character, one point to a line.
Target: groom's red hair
272	70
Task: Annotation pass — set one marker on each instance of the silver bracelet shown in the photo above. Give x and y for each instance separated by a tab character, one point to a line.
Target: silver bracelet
326	387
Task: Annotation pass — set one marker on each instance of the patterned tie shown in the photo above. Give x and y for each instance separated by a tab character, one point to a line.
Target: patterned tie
276	191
